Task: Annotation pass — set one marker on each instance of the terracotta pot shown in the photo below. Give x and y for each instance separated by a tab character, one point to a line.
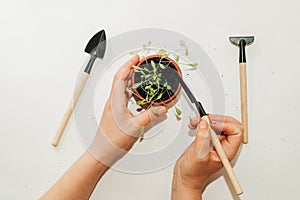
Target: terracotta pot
167	101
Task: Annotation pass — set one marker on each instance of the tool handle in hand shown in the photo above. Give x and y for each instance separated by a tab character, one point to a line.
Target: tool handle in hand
227	166
244	109
69	110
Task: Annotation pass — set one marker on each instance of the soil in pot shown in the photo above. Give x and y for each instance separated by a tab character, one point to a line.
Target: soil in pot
169	86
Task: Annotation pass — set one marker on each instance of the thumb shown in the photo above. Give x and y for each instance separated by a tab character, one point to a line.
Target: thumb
149	115
203	139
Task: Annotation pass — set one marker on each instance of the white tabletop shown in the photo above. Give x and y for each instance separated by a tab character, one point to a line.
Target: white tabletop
41	52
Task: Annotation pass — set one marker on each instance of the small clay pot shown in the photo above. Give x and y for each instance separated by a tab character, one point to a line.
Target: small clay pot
168	99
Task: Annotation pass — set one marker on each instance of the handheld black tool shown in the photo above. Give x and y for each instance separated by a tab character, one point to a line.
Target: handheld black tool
214	138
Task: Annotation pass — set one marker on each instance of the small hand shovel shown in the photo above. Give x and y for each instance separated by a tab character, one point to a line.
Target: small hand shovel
96	48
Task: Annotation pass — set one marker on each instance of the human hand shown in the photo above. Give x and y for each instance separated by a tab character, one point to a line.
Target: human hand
200	160
119	129
117	133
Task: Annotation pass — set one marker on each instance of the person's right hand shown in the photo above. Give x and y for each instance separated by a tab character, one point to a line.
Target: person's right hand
200	160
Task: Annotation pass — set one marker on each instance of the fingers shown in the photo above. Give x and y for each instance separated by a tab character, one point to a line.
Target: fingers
222	118
202	139
227	128
232	142
194	123
214	118
125	71
118	95
149	115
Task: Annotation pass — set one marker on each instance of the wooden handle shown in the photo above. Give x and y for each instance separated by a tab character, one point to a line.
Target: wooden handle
244	109
215	140
69	110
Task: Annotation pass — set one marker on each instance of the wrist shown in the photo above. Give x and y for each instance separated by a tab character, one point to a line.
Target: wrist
189	180
180	190
117	137
104	150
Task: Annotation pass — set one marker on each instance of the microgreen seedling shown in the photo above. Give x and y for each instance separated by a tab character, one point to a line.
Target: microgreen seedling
178	111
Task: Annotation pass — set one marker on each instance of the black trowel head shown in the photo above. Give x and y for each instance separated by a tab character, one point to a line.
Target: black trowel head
97	43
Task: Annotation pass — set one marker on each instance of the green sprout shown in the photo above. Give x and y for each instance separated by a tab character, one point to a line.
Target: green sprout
178	111
186	50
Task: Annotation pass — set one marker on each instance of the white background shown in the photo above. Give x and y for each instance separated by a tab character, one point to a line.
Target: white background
41	52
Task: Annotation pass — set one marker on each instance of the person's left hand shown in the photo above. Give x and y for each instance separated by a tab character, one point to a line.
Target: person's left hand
118	126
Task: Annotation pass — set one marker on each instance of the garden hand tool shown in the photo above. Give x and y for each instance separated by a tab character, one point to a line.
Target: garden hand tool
96	48
242	42
214	138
